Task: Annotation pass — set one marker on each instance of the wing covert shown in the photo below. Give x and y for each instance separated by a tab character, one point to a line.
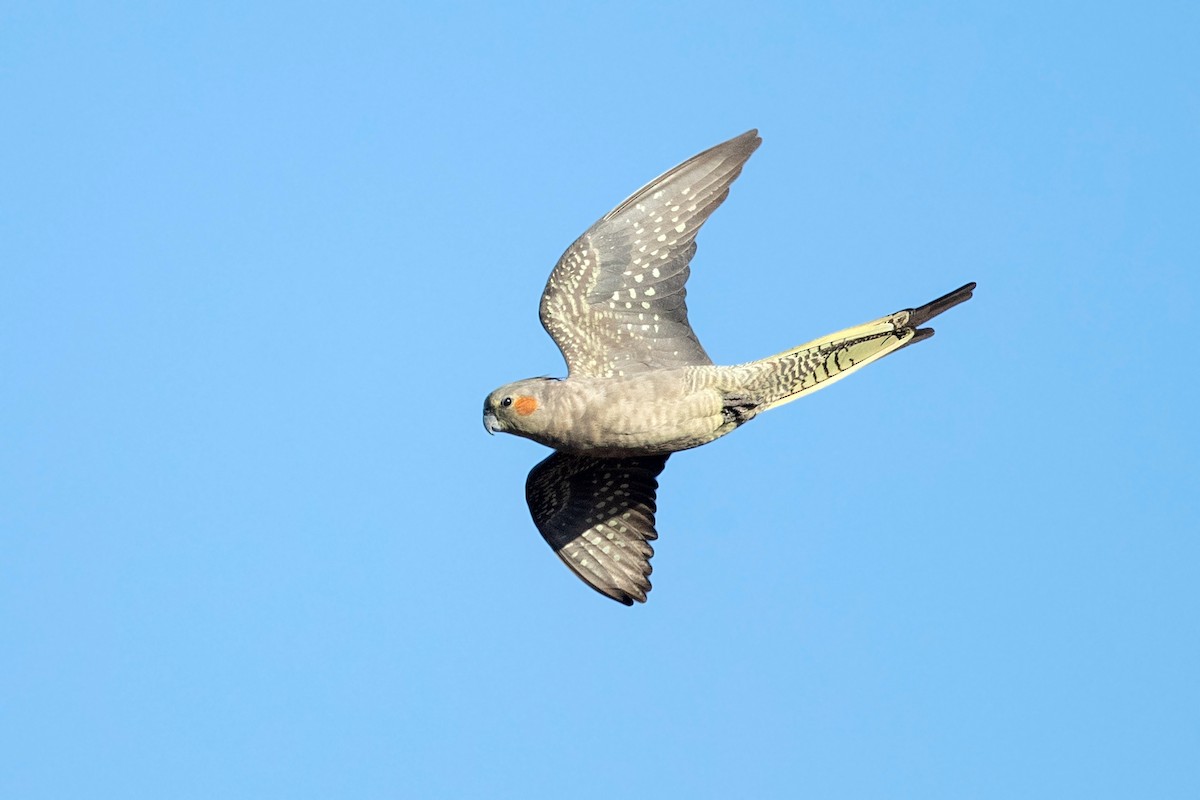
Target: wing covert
615	303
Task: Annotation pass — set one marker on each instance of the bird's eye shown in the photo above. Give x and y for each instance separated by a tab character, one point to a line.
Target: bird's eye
506	402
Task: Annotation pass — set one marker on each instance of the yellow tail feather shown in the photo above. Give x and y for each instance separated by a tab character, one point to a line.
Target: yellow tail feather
821	362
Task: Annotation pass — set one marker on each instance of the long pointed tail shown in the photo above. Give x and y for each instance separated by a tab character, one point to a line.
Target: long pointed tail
817	364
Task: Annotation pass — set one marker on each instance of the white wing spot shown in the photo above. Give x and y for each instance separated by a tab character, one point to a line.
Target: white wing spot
649	292
686	191
647	305
679	228
662	237
641	276
653	272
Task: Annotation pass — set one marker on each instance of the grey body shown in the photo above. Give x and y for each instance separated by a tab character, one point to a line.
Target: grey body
646	414
640	385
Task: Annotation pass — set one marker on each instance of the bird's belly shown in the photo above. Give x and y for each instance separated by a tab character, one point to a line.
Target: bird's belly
644	418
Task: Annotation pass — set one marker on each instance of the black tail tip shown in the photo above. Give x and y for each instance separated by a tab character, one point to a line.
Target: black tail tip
944	303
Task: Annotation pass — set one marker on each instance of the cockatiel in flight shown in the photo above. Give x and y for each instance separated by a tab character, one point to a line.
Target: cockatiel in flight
639	385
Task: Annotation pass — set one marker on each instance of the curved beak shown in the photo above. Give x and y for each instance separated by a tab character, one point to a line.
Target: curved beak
490	423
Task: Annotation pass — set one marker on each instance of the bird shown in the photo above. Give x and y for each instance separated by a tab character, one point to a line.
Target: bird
639	385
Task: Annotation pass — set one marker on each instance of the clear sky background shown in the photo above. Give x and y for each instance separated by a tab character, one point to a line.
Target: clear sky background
261	263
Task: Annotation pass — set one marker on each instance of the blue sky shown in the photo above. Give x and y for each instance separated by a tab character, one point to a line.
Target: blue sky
260	264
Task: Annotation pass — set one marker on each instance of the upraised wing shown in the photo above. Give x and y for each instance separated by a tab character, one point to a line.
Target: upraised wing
614	304
598	515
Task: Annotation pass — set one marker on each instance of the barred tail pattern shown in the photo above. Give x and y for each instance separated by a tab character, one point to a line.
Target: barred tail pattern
784	377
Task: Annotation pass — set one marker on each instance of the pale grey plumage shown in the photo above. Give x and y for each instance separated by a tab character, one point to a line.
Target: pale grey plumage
639	385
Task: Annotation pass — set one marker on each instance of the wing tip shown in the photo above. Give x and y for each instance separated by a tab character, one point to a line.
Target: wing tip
738	150
625	595
751	135
744	144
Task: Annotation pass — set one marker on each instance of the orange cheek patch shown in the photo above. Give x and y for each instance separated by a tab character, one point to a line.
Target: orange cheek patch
525	405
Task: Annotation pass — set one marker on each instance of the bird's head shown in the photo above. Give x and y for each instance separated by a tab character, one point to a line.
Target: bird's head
518	408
